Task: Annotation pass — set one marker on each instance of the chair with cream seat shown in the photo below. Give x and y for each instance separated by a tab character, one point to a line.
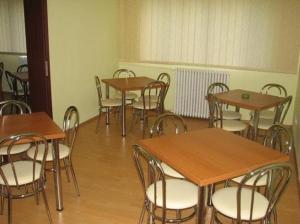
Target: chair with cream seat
1	76
279	117
146	106
278	138
271	89
125	73
66	148
21	178
217	88
14	107
162	196
244	204
217	120
105	103
168	123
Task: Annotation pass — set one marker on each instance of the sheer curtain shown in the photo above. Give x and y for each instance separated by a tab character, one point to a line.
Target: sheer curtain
12	26
251	34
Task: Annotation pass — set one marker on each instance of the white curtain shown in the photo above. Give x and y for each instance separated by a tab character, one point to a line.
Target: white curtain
251	34
12	26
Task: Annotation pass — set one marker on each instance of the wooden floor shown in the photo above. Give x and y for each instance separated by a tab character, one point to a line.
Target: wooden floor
109	186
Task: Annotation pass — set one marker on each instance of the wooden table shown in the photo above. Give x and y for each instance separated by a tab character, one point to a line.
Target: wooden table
40	123
126	84
210	155
256	102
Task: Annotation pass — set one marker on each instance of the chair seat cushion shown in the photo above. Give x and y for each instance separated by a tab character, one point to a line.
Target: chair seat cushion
225	201
231	125
264	124
64	151
265	114
231	115
15	149
180	194
261	182
170	171
111	102
24	172
140	105
128	95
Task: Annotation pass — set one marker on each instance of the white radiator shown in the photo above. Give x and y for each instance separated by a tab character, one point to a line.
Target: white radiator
191	89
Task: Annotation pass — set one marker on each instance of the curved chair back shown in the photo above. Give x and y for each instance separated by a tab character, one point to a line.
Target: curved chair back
14	107
215	111
149	90
277	177
1	75
150	172
99	91
70	126
15	178
217	87
22	68
123	73
279	138
164	121
11	81
274	89
282	110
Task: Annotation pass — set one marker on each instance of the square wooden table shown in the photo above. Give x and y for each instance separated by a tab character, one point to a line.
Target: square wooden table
126	84
256	102
39	123
210	155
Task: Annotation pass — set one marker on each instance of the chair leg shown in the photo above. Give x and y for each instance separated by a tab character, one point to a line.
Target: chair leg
9	207
46	205
67	169
141	219
98	119
74	177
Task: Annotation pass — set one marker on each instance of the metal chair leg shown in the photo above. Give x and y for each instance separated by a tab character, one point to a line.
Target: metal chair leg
46	205
141	219
67	169
74	177
9	207
98	119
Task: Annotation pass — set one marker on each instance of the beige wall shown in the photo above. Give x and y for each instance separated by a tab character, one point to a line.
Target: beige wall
250	80
83	37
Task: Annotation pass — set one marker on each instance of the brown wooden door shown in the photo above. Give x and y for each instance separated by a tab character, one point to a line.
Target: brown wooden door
36	26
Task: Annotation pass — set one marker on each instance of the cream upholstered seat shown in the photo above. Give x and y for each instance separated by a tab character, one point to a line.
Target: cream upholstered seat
179	195
186	199
125	73
244	203
15	150
164	124
230	125
105	103
20	178
218	87
271	89
70	127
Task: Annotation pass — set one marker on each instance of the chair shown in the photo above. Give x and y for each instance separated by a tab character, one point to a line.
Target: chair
144	107
274	89
21	178
279	117
1	75
278	138
14	84
162	125
23	68
105	103
14	107
221	87
243	204
70	127
161	195
217	120
125	73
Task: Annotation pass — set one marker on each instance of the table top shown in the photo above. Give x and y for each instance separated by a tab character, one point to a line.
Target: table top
22	76
36	122
256	101
125	84
211	155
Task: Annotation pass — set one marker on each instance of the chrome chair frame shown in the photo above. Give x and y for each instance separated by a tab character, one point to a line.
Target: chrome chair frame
1	76
125	73
13	84
277	176
266	88
16	188
17	107
23	68
150	172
